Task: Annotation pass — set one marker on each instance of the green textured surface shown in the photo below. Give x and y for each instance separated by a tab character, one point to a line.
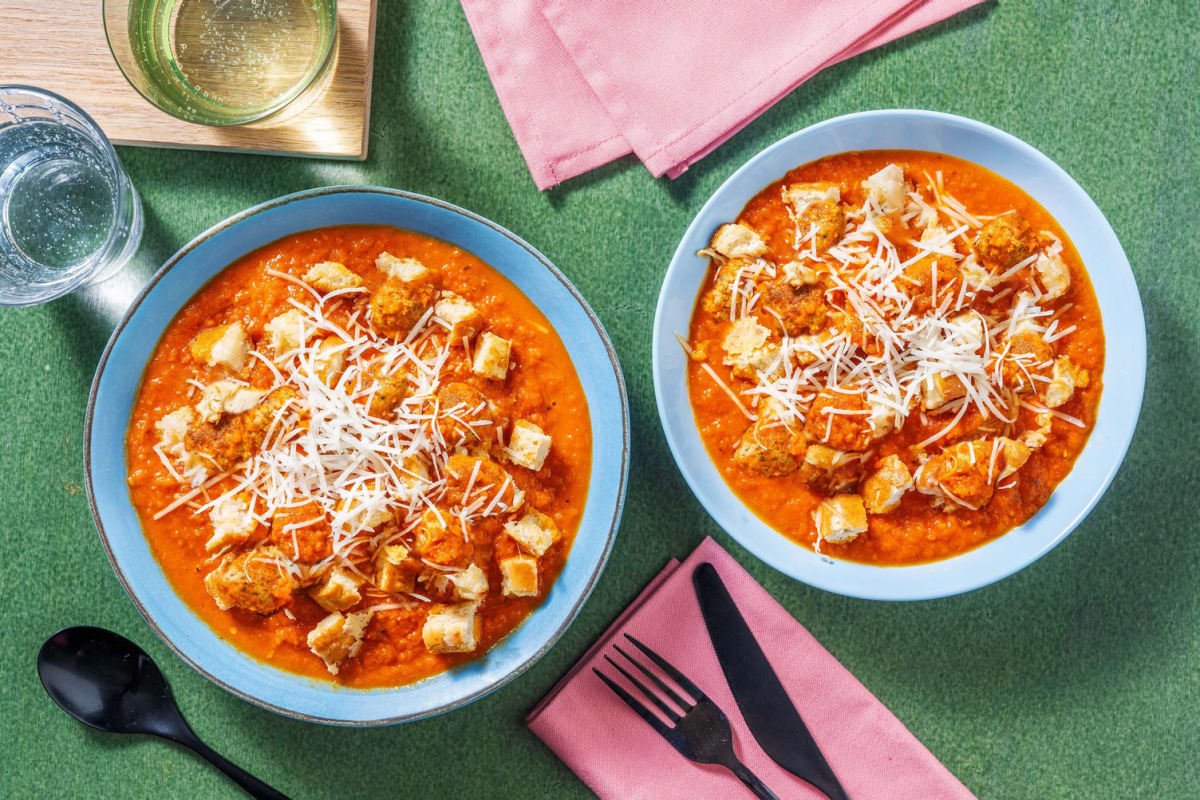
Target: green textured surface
1079	677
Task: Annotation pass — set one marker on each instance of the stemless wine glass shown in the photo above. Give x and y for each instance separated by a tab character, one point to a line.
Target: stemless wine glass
68	212
224	62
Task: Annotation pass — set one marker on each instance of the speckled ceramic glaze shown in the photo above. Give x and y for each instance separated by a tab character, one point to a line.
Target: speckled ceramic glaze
1120	307
120	371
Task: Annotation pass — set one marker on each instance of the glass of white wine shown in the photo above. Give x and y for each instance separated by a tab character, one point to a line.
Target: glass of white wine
224	62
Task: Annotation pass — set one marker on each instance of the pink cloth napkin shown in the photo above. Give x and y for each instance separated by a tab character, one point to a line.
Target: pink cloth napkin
619	756
583	83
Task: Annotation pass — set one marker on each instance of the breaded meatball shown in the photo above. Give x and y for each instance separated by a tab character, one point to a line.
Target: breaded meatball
922	277
439	539
828	471
236	437
488	479
765	448
803	310
307	543
960	474
1026	355
392	391
841	431
397	305
817	209
257	580
1004	241
717	299
466	417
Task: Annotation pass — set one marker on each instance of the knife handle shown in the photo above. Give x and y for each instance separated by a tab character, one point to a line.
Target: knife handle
751	780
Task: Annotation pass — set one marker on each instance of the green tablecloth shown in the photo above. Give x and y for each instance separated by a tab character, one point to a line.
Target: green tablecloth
1078	677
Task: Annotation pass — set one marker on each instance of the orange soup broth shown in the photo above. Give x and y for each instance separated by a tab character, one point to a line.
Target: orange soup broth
541	386
915	532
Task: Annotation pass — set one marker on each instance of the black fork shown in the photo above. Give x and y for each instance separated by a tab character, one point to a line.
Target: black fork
699	730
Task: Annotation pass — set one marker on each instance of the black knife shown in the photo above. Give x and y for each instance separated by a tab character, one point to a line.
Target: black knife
764	704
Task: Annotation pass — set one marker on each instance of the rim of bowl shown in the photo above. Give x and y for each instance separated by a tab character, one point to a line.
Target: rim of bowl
610	535
715	509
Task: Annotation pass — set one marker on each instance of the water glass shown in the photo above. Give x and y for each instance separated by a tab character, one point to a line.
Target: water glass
68	212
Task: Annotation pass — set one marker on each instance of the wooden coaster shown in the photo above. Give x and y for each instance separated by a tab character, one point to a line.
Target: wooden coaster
60	45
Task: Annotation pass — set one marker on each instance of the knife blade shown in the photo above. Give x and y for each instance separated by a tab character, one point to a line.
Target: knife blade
766	707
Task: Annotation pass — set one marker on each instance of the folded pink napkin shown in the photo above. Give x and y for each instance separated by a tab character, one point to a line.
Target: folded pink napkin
619	756
584	83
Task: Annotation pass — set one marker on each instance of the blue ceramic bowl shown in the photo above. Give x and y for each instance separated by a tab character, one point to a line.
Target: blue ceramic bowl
1124	371
120	372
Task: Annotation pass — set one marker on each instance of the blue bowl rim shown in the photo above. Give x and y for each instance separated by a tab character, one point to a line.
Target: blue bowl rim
1137	331
216	229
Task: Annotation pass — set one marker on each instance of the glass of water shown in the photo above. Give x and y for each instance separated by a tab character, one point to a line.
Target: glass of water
68	213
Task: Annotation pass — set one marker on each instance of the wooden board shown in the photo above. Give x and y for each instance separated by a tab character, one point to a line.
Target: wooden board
60	45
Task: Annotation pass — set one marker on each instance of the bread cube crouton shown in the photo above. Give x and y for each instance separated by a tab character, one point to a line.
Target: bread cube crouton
968	329
231	522
172	430
887	191
329	359
1053	275
338	637
464	319
330	276
1036	437
1065	376
337	592
765	448
882	418
396	569
224	345
226	397
800	195
535	532
470	584
747	350
451	628
885	488
404	269
520	575
817	213
939	389
799	275
840	519
491	356
288	331
365	508
736	240
261	580
1013	455
528	446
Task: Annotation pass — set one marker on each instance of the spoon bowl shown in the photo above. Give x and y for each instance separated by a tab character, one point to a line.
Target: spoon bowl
109	683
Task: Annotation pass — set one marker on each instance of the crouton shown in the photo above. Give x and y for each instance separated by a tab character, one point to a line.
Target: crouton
1036	437
884	489
736	240
1065	377
882	419
331	276
1053	274
968	329
939	389
765	449
225	345
231	522
330	358
302	532
977	278
840	519
225	397
799	275
1013	455
520	574
817	213
396	569
337	637
172	432
1004	241
535	532
887	192
528	446
439	539
451	628
470	584
747	351
464	319
404	269
491	356
338	592
828	471
288	331
837	419
367	507
800	310
259	580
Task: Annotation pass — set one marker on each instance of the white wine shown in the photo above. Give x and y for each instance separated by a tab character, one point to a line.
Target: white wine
226	62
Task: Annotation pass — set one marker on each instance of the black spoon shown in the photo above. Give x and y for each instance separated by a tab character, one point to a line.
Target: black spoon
109	683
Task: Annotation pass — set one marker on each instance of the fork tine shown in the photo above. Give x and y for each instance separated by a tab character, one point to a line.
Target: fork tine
671	713
642	711
671	672
686	705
